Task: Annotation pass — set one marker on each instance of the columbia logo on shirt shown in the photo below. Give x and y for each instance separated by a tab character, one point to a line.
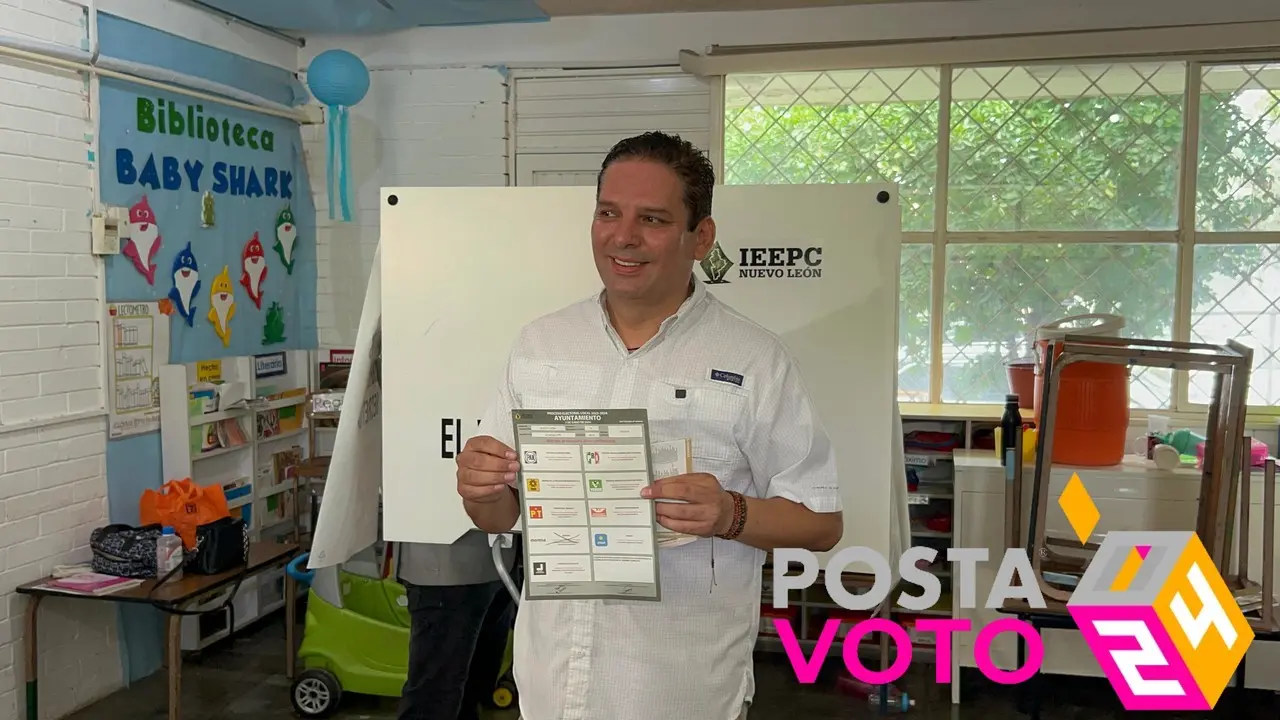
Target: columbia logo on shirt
726	377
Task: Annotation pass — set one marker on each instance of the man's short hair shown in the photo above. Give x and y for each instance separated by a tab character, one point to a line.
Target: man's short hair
688	163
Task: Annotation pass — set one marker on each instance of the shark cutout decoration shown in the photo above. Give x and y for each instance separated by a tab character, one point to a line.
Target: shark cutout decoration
286	236
253	266
144	239
186	283
222	305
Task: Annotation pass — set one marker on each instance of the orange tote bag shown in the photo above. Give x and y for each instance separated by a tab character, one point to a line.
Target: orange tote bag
183	505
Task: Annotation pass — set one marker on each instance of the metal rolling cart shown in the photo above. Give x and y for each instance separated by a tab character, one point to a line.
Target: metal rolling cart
1224	487
1225	480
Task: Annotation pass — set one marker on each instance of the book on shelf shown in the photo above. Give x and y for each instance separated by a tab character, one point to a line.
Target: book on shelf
270	393
218	435
279	507
268	424
280	467
209	397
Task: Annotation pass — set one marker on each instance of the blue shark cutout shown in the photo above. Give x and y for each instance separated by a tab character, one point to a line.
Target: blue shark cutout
350	17
186	283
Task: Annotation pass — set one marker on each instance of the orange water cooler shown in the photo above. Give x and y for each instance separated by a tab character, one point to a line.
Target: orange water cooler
1092	417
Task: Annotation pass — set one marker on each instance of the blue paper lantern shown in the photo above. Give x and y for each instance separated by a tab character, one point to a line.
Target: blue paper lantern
339	80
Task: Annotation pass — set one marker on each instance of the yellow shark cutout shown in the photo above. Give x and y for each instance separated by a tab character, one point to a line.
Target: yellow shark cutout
222	305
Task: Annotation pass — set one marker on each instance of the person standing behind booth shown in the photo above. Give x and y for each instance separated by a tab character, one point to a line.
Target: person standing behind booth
765	473
460	619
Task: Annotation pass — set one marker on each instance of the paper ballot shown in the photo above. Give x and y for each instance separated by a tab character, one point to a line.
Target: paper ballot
587	531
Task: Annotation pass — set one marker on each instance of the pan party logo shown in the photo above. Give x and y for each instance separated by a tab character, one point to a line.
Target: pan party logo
763	263
1160	592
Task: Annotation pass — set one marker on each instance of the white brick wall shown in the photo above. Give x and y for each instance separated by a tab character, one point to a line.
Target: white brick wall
52	475
414	128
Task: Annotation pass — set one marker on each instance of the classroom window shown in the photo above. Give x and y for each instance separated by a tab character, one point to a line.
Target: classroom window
1063	196
1065	148
1239	143
998	294
864	126
1237	296
1236	286
915	298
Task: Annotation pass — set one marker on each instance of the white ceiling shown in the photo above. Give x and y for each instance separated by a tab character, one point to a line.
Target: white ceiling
563	8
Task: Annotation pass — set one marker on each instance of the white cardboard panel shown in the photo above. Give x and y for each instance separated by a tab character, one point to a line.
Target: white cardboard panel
463	269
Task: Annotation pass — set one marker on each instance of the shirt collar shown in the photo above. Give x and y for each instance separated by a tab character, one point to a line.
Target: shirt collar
688	310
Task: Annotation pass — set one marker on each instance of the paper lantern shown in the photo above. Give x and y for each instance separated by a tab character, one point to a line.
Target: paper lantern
339	80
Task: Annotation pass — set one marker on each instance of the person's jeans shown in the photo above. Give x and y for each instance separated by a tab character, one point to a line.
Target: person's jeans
457	640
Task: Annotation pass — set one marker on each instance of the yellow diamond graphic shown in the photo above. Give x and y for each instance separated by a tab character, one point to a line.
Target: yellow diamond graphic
1079	508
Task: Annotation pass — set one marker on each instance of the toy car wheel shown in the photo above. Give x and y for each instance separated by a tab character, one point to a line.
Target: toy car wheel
315	694
504	696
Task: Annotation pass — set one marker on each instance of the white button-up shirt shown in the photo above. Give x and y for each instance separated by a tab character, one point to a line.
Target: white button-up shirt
752	426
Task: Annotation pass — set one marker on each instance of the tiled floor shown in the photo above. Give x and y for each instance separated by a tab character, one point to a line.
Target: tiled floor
245	681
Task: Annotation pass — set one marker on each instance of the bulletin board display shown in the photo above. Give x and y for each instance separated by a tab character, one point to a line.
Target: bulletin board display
221	224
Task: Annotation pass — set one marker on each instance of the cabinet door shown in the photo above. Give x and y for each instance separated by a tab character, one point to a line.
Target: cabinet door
982	526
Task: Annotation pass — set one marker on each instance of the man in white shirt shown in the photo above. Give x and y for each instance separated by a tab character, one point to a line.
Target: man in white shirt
765	474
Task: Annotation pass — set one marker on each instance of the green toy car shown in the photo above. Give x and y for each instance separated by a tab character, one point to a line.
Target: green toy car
356	638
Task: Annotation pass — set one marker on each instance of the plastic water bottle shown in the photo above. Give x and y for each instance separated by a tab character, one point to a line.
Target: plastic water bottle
899	702
168	554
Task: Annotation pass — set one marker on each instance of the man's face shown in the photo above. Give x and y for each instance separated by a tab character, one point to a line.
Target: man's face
640	238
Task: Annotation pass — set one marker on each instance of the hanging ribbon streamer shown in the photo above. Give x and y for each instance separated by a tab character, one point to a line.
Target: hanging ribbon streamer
337	180
339	80
344	185
332	155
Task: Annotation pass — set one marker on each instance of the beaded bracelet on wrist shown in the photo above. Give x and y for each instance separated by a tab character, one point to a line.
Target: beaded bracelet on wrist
739	517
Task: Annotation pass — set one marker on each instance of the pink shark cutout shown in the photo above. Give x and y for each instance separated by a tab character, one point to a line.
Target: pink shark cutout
144	239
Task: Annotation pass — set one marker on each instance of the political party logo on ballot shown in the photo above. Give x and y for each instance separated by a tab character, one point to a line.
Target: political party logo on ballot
595	484
778	262
531	457
535	512
534	484
1151	606
1155	612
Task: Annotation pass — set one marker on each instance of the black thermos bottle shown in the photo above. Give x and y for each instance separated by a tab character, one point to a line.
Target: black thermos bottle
1010	426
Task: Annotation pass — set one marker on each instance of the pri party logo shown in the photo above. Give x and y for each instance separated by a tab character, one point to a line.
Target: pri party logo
1156	613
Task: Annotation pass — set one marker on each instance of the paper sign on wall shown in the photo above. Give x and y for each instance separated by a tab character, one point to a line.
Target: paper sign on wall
139	342
209	371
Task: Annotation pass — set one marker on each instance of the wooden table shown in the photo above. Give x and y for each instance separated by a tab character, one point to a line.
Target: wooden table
172	597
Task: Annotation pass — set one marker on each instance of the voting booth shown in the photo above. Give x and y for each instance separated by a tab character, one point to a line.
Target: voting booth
461	270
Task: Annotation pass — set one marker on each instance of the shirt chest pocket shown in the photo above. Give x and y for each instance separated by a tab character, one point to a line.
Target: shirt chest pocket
556	386
706	413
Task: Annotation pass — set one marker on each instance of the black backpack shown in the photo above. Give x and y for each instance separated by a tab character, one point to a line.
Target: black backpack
124	550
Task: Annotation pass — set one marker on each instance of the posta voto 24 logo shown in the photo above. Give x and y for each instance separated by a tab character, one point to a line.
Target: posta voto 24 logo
1151	606
1155	612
